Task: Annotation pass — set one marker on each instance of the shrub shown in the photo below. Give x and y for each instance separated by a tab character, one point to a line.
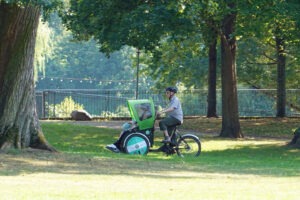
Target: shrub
65	108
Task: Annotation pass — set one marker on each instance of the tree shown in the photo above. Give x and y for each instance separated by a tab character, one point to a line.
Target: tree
207	25
274	26
19	125
281	75
285	31
144	25
212	79
139	24
187	53
179	61
248	9
230	114
148	24
220	20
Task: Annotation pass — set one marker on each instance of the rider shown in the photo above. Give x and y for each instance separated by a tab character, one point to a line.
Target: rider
174	114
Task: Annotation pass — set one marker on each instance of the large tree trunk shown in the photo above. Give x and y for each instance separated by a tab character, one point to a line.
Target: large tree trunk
230	113
19	125
212	80
281	78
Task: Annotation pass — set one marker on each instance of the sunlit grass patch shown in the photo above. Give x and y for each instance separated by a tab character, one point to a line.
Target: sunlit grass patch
78	139
257	127
248	155
259	168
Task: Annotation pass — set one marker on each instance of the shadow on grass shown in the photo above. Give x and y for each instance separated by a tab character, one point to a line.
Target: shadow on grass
267	159
263	160
83	152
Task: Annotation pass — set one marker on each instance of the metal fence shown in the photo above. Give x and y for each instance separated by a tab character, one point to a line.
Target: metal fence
113	103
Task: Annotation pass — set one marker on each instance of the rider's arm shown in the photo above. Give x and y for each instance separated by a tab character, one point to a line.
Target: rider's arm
166	110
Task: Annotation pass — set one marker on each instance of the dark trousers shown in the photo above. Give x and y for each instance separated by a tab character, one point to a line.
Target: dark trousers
169	124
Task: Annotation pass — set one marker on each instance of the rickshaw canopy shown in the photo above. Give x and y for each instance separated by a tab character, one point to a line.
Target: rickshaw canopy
143	112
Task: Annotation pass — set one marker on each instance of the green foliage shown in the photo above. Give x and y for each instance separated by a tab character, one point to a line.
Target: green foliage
43	48
179	61
135	23
142	25
259	25
65	108
48	6
80	65
121	110
178	35
257	68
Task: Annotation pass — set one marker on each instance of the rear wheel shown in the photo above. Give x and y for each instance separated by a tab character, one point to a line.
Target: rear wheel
136	143
189	146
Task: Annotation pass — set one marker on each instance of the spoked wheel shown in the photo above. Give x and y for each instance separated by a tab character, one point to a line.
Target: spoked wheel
136	143
189	146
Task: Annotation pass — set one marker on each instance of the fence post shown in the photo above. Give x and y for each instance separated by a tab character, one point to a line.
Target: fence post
137	74
43	103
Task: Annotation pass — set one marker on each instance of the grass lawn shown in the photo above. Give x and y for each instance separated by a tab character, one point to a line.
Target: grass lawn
260	166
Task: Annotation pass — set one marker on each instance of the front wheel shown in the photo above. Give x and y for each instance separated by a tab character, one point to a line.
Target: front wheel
136	143
188	146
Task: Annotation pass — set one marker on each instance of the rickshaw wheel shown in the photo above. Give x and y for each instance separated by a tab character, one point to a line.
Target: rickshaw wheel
136	143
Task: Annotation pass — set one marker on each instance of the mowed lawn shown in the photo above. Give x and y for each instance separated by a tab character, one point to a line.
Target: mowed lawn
260	166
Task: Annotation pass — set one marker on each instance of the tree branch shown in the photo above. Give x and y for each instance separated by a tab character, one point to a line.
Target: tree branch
257	63
270	58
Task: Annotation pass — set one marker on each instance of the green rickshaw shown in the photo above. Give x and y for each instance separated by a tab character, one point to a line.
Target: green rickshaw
140	139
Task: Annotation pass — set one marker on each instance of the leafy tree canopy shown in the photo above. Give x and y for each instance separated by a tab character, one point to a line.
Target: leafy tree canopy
115	23
259	24
79	65
48	6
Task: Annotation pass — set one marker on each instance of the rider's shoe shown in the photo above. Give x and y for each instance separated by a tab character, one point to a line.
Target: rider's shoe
113	148
166	140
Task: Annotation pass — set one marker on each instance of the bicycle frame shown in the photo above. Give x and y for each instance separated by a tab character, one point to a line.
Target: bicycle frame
169	148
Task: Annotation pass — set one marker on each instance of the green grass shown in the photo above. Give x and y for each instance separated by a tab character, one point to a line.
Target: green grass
255	127
79	139
250	168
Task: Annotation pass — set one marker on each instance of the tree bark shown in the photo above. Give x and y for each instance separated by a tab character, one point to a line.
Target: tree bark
295	140
19	124
230	113
212	80
281	77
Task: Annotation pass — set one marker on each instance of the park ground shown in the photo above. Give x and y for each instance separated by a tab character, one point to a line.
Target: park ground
260	166
281	128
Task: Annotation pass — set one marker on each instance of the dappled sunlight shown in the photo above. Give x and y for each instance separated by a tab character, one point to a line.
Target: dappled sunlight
248	157
244	164
259	123
85	136
236	162
33	162
294	151
225	144
256	127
